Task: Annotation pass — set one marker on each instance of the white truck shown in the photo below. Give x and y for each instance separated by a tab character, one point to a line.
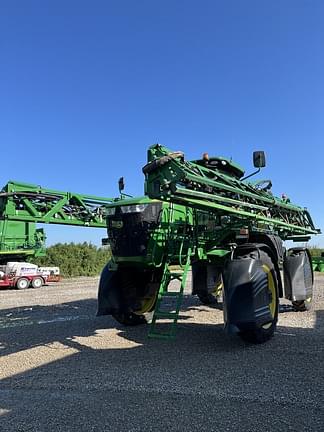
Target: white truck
52	273
23	275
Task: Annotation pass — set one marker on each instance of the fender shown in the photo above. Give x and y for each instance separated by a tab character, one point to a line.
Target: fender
298	274
109	295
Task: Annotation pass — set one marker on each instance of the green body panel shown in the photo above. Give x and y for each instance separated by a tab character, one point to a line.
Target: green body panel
19	239
178	228
318	263
171	221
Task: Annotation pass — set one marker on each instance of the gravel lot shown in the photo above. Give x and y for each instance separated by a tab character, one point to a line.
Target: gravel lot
64	369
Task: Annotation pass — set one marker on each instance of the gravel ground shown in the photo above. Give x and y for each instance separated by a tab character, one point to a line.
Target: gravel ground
64	369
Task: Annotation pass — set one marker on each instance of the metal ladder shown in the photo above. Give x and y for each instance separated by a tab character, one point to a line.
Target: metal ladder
163	310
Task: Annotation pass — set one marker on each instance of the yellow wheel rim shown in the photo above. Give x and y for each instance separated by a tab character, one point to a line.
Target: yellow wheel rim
273	293
218	290
147	304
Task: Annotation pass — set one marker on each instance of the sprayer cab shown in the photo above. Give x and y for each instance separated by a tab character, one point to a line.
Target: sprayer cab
222	164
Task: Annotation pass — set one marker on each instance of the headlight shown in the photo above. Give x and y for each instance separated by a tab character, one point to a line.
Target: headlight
136	208
110	211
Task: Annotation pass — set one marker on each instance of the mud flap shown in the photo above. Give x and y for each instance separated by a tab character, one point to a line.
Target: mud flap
109	295
246	295
298	274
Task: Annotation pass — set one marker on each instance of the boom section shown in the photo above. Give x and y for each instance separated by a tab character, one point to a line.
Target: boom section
31	203
170	178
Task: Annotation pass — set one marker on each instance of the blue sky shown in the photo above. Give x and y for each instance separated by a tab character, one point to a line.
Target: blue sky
87	86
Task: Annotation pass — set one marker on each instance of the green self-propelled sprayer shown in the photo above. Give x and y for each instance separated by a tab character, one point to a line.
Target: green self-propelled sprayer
205	215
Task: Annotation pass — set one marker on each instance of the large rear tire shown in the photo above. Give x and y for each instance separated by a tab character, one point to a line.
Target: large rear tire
302	305
265	332
207	282
212	298
129	294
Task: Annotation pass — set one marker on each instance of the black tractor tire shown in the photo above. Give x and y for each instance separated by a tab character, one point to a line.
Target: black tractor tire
130	319
264	333
302	305
22	283
206	296
208	299
128	294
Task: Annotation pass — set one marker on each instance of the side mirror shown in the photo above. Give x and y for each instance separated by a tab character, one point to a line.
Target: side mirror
259	159
121	184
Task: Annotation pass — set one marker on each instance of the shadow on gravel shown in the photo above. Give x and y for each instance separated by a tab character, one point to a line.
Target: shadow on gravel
204	380
40	325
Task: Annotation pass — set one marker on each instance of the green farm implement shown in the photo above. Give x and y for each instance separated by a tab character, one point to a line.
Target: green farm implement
207	216
203	215
22	206
318	263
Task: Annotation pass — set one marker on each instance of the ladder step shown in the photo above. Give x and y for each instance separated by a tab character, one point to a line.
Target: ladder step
176	275
162	303
170	294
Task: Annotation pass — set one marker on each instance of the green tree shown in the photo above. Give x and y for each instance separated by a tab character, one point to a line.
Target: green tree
75	259
315	251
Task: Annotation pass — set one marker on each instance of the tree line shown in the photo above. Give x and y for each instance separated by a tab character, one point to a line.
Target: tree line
316	251
75	259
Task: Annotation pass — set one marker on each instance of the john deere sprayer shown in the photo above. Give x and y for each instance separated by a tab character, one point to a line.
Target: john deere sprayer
205	215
